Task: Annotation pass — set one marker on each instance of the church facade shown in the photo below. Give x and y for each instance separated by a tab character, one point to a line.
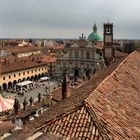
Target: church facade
82	58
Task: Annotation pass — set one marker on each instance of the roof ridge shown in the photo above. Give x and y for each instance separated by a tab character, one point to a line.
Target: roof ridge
113	72
72	110
89	101
102	130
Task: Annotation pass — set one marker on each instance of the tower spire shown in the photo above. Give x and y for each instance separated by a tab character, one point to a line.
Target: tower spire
94	27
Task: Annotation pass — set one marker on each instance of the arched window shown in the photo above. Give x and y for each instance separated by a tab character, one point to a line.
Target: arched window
76	54
70	53
88	55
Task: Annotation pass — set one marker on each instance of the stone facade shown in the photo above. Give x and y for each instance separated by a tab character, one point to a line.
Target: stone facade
81	58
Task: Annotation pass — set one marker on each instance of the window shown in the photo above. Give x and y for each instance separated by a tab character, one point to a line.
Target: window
19	74
28	72
42	68
70	53
23	73
39	69
9	76
14	75
76	54
35	70
32	71
88	55
4	78
82	53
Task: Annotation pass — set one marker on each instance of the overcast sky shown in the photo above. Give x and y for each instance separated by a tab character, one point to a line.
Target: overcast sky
68	18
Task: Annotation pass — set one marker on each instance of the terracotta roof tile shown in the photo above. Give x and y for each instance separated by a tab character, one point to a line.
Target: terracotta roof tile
56	47
82	130
5	127
19	49
49	59
73	108
49	136
24	63
117	100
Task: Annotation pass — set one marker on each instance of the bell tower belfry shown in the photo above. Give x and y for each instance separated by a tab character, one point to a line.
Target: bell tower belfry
108	40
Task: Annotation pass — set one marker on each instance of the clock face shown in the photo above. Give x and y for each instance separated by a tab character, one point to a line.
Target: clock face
108	38
108	31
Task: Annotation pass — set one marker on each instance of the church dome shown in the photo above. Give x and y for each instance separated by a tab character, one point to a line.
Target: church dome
94	37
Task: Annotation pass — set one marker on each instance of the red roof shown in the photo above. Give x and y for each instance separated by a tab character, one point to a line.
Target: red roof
67	107
116	101
56	46
21	49
12	64
49	59
5	127
110	100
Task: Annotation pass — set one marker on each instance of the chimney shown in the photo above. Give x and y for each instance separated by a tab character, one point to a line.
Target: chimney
64	88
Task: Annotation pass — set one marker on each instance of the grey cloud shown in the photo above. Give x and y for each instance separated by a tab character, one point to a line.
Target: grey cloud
68	18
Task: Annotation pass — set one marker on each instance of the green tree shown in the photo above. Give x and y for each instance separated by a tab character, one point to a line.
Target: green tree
129	47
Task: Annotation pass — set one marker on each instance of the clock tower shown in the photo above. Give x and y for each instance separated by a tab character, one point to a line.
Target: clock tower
108	40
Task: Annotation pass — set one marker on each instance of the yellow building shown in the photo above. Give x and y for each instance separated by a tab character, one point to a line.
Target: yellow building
19	62
13	71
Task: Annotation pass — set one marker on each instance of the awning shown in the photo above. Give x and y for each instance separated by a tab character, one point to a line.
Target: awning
24	83
44	78
6	104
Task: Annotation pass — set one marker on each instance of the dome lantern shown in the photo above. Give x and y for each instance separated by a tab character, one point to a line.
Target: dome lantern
94	37
94	28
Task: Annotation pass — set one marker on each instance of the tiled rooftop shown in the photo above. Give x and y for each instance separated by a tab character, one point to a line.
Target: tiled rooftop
120	54
21	49
78	124
12	65
48	136
56	46
116	101
105	107
49	59
5	127
70	109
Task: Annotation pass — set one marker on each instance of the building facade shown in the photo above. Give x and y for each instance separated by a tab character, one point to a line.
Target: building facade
13	71
81	58
20	51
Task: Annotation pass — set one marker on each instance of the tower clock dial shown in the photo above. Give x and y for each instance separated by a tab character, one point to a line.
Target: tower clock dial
108	31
